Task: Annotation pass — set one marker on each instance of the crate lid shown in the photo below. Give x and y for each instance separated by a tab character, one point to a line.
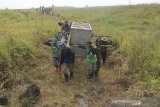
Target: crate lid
81	26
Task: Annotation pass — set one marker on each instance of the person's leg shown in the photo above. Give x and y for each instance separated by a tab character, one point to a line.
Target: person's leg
58	68
55	64
65	70
93	68
71	70
89	66
71	67
90	70
103	58
97	69
66	77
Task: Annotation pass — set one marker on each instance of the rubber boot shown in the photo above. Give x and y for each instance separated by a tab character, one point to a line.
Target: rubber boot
71	75
96	74
66	77
90	76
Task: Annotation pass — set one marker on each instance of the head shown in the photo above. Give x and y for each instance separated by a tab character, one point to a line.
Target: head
54	40
99	39
89	44
66	22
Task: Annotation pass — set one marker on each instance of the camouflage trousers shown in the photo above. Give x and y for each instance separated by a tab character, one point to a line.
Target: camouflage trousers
91	67
67	68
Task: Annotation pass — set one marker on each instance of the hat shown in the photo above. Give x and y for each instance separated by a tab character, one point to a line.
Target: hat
54	40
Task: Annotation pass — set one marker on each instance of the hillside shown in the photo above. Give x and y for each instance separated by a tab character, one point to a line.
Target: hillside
134	28
132	69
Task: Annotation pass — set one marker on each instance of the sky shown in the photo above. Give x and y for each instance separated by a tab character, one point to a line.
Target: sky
19	4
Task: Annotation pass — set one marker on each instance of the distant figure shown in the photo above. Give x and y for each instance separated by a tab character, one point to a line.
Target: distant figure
67	58
45	10
55	53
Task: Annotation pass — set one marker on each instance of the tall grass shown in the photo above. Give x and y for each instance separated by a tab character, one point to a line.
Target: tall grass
18	35
134	28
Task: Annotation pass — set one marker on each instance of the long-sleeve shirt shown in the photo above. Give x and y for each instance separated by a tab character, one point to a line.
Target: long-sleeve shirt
66	28
55	49
90	54
67	56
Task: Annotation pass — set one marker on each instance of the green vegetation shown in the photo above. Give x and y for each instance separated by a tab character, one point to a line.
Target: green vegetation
135	28
28	102
20	32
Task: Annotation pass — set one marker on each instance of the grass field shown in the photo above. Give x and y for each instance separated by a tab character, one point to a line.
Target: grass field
135	31
19	33
135	28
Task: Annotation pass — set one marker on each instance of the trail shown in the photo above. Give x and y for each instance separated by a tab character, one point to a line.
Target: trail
110	84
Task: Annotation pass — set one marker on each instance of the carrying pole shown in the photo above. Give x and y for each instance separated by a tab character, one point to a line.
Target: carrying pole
68	41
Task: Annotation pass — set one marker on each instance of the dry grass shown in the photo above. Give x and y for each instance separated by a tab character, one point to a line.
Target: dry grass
137	57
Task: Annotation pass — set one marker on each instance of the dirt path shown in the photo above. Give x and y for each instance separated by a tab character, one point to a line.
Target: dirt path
111	84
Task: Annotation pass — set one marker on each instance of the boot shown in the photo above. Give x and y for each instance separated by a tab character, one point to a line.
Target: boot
90	76
71	75
66	77
96	74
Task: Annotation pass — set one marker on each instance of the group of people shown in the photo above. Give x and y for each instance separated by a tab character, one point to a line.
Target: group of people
64	57
62	54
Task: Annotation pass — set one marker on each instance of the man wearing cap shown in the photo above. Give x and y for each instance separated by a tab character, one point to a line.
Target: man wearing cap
66	27
55	52
91	59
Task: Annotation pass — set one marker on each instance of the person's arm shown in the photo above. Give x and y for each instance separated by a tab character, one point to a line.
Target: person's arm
48	43
63	27
80	46
73	57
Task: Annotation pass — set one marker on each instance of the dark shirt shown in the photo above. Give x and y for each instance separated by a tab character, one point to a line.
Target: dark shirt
67	56
98	54
103	51
66	28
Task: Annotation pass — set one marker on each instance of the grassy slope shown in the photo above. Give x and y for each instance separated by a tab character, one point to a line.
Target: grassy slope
19	33
136	29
